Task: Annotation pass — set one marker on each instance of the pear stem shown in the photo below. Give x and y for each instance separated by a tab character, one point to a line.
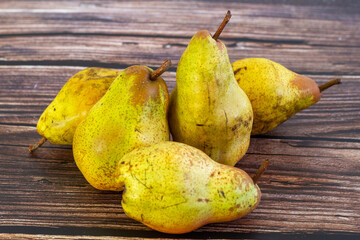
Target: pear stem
163	68
260	171
222	25
329	84
37	145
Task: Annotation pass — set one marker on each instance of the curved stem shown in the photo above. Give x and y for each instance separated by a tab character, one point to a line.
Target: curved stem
163	68
260	171
222	25
37	145
329	84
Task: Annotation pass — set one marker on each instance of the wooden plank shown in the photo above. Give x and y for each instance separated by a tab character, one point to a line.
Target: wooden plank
178	18
63	233
315	41
125	51
309	186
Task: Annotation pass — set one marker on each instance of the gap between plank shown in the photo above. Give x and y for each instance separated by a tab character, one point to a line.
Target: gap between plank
308	138
82	63
97	231
237	39
74	63
351	140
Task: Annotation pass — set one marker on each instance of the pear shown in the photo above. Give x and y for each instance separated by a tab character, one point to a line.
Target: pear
131	114
208	110
175	188
275	92
72	104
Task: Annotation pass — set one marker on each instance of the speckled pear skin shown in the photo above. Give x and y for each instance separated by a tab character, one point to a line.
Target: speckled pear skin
208	110
275	92
175	188
72	104
131	114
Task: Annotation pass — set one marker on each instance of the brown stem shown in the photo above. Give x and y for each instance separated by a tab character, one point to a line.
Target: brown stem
163	68
222	25
37	145
260	171
329	84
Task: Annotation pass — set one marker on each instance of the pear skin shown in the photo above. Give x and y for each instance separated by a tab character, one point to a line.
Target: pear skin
175	188
72	104
131	114
208	110
275	92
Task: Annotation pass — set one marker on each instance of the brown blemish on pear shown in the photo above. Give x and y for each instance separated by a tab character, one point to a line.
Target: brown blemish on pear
307	86
202	34
205	34
149	89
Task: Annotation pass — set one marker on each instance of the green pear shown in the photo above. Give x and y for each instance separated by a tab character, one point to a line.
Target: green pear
175	188
72	104
208	110
275	92
131	114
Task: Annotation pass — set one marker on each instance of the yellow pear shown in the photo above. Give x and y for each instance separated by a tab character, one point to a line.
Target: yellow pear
175	188
131	114
72	104
208	110
275	92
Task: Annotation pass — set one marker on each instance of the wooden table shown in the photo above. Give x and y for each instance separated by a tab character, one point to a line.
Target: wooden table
311	189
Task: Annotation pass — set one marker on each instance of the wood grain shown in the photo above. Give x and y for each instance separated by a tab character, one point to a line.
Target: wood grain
109	32
311	189
59	237
124	51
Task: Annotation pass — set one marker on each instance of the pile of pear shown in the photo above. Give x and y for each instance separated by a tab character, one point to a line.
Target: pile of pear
119	125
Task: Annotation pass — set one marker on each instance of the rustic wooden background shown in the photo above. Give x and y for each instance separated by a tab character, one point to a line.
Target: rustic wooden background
311	189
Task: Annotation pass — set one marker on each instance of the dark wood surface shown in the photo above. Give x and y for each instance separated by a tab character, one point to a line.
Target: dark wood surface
311	189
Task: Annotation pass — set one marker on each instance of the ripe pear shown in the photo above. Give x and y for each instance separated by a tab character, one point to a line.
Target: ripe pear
208	110
275	92
175	188
72	104
131	114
